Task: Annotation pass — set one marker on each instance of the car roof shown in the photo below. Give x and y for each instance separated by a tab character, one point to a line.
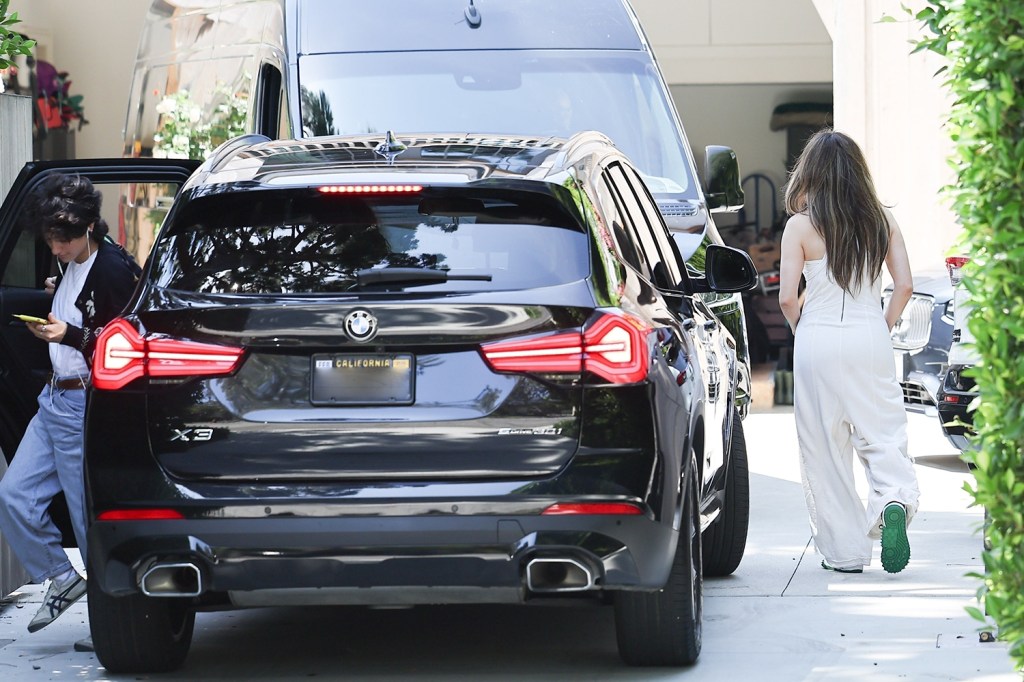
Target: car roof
435	158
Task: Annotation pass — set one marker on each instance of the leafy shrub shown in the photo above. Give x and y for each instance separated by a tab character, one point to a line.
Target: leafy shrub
12	43
984	43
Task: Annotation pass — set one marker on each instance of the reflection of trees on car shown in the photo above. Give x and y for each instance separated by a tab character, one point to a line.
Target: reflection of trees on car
319	258
317	117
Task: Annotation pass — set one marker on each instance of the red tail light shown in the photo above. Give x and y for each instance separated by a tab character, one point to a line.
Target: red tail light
371	189
140	515
123	355
611	508
613	347
954	266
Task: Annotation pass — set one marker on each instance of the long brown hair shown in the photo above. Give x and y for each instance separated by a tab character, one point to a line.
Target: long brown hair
832	184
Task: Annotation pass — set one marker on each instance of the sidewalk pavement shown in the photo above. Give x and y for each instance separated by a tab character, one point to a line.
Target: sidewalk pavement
779	618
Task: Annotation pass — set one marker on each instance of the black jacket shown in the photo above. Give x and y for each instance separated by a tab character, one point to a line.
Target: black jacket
106	291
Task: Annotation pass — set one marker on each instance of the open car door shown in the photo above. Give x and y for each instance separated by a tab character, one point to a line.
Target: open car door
136	193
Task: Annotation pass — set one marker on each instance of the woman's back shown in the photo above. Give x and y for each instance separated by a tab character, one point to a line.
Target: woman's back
825	301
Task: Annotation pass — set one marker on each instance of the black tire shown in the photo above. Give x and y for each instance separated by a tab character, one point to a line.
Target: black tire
664	628
726	539
139	634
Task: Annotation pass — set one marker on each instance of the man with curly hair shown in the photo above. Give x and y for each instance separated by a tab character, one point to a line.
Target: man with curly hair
96	278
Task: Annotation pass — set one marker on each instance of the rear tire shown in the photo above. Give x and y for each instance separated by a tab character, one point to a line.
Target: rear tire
726	539
139	634
664	628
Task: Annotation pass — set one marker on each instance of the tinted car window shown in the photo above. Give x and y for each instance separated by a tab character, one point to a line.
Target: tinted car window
669	257
623	239
21	268
638	226
309	243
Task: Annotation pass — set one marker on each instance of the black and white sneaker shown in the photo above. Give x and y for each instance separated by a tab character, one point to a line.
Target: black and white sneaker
59	596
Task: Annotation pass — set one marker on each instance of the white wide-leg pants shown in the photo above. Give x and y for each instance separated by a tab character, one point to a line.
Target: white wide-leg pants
847	401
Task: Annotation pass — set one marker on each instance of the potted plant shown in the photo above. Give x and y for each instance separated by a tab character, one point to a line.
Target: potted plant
12	43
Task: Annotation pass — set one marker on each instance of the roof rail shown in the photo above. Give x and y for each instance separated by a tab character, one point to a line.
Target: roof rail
219	155
585	138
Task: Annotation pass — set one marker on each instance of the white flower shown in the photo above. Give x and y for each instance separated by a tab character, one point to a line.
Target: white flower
180	141
166	106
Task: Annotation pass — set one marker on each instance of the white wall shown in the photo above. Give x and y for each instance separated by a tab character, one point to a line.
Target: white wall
737	41
95	42
891	102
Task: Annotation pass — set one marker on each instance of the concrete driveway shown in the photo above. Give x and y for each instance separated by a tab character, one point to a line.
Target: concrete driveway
779	618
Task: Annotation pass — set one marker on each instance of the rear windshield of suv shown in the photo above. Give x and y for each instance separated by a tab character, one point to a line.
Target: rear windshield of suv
311	242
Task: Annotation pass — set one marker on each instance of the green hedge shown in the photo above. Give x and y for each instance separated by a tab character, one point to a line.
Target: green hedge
984	43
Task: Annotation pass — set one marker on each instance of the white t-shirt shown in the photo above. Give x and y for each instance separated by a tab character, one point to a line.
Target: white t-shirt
68	361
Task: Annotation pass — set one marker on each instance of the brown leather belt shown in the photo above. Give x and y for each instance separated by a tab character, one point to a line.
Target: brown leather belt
68	384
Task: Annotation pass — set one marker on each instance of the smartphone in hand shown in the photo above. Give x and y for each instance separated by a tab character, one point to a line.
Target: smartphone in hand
31	318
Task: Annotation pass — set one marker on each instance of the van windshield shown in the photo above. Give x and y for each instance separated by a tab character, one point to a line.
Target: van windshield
524	92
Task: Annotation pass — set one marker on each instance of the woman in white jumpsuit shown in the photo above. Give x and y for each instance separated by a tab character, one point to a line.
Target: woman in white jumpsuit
846	397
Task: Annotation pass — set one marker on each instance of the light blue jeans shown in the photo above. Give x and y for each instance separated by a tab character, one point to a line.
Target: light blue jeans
48	460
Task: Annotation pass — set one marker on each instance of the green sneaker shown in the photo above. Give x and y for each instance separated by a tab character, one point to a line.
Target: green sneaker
829	567
895	545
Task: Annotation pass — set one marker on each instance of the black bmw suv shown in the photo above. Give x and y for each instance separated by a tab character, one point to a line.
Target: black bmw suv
441	369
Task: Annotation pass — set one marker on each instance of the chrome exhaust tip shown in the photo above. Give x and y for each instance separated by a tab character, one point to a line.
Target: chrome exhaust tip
183	579
551	574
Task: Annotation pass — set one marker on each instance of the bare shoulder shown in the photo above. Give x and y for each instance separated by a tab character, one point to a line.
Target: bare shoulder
894	226
800	231
800	224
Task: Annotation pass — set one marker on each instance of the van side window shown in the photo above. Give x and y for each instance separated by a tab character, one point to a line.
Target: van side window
185	110
269	115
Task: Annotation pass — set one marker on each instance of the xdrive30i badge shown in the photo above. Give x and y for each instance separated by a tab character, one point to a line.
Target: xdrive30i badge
361	326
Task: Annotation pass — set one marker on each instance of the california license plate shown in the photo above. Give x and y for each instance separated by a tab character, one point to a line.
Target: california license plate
362	379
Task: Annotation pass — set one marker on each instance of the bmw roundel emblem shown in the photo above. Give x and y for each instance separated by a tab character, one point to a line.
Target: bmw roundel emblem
360	325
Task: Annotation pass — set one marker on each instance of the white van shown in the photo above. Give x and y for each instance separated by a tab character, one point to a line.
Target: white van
210	69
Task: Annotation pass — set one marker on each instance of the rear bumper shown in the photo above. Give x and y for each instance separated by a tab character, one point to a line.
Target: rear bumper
953	400
953	417
383	560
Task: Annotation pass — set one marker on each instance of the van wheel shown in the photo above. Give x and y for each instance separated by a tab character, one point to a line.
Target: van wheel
664	628
139	634
726	538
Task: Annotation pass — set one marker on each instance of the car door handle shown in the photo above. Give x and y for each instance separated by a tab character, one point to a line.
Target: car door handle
710	324
689	324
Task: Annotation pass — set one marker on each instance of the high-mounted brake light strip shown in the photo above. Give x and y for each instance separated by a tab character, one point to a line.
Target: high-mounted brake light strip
371	189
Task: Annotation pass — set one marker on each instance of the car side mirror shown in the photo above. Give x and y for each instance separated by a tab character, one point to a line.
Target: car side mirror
724	191
726	270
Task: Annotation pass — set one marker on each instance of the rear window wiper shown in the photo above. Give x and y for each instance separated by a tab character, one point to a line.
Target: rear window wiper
409	277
